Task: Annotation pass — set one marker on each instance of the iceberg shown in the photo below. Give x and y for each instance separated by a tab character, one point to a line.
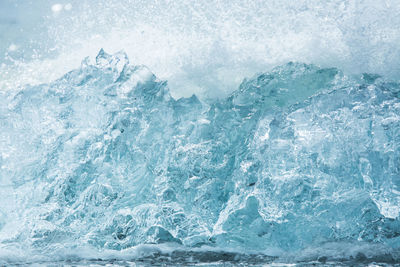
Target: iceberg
300	162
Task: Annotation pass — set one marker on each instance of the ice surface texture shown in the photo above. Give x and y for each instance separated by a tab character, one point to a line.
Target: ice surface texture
105	157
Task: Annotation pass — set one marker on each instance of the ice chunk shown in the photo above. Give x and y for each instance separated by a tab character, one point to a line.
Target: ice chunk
296	157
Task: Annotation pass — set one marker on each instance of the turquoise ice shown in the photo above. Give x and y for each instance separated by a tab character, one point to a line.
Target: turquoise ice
105	158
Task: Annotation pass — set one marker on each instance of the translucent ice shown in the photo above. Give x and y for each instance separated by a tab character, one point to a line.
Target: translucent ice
105	158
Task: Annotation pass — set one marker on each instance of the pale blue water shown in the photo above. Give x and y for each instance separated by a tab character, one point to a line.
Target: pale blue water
108	164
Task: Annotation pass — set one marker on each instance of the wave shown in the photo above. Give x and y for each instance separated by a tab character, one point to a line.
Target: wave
298	157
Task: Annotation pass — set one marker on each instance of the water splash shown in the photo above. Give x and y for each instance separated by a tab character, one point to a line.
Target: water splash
205	48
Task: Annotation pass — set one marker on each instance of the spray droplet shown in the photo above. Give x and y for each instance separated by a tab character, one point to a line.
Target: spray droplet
68	7
56	8
12	48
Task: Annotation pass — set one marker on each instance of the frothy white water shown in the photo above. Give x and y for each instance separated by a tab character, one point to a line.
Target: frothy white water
206	47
